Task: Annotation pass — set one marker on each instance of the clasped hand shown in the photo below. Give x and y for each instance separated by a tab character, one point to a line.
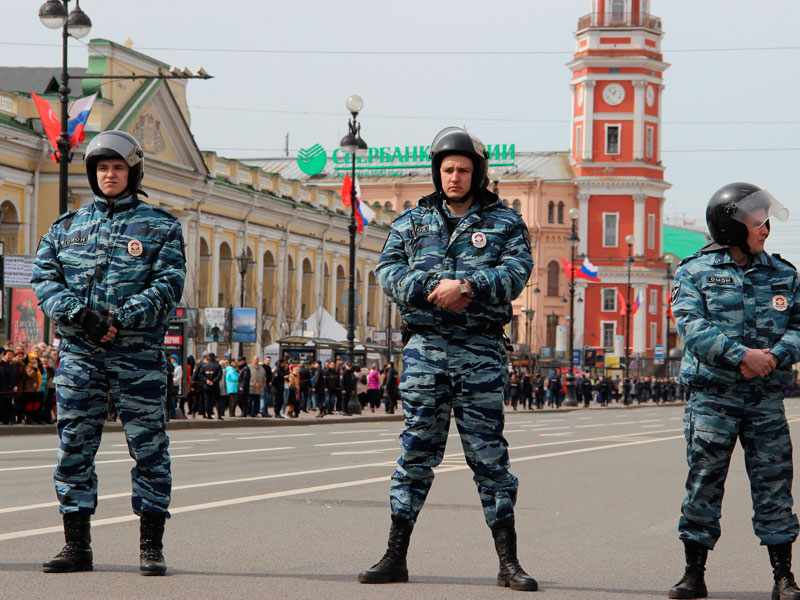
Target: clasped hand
758	362
447	294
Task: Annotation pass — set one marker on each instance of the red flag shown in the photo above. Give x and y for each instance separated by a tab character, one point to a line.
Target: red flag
575	273
668	312
347	189
50	122
623	307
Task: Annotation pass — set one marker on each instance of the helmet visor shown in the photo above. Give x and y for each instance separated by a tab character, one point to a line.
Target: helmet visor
754	210
104	146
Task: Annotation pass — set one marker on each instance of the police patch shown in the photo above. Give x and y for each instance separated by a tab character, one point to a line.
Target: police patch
75	239
420	229
719	279
676	291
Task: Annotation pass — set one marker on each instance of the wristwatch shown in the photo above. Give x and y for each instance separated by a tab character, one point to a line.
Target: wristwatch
464	286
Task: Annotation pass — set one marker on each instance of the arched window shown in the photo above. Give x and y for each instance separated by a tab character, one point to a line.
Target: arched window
552	278
387	205
517	205
560	212
551	212
505	202
407	204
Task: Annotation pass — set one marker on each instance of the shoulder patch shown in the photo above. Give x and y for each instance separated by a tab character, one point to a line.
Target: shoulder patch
676	292
780	258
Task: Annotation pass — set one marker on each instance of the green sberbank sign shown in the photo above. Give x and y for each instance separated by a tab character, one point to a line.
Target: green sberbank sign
387	161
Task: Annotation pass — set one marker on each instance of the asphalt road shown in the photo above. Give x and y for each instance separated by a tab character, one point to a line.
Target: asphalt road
296	513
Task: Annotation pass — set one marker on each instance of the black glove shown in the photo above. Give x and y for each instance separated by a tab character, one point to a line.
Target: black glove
96	324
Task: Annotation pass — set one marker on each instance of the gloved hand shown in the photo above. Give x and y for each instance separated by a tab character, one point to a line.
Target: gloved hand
96	324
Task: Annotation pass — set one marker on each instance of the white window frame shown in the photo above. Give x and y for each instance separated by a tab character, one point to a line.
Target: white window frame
649	137
651	231
653	306
613	292
616	230
578	140
613	325
618	126
653	334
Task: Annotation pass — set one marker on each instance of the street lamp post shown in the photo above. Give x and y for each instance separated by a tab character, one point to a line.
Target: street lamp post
53	15
573	239
353	145
629	262
528	312
243	262
494	177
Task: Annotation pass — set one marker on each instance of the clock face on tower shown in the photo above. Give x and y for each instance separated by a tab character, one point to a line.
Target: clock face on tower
613	94
650	95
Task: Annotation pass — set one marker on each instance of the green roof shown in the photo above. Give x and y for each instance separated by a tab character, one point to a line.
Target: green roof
683	242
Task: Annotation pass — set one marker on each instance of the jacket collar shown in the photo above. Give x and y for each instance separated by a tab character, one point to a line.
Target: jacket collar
119	205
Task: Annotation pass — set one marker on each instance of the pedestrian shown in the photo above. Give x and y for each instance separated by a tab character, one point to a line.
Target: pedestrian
266	398
29	386
8	379
243	388
305	398
230	388
292	406
177	384
212	373
331	387
109	275
278	384
318	387
258	379
374	384
390	384
737	311
453	264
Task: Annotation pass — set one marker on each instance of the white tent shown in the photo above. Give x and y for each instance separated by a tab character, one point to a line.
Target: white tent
322	325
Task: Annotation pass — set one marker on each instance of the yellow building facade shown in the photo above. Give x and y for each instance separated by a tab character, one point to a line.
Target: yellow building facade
295	235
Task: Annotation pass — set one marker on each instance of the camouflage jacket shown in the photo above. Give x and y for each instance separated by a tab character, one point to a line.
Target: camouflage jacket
128	258
490	246
721	310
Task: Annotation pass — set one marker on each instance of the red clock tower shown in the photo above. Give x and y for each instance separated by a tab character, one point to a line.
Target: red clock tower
617	81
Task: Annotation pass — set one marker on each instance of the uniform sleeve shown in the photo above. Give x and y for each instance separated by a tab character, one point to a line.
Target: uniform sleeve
787	350
503	283
699	335
56	300
403	284
152	307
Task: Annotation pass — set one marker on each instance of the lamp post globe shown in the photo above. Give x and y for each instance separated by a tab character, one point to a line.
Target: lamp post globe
53	14
78	23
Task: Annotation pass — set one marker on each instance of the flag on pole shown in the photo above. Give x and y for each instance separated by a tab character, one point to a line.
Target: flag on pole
50	122
635	306
589	271
78	115
364	213
347	189
623	307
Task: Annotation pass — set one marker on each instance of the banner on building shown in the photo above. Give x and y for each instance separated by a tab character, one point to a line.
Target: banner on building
244	325
27	321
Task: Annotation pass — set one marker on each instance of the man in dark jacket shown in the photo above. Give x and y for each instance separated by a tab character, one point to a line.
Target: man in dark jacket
278	381
318	387
348	386
244	388
266	400
211	373
304	375
331	386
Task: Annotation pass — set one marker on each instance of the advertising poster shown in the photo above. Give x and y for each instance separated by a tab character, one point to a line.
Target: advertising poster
244	325
214	325
27	321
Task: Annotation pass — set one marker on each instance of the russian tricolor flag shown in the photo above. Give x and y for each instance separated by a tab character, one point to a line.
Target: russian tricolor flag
589	270
78	115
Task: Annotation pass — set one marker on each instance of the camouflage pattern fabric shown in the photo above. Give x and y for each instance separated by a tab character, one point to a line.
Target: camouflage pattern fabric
419	252
465	374
721	310
452	361
127	258
712	423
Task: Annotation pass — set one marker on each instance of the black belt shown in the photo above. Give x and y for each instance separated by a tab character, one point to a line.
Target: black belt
494	329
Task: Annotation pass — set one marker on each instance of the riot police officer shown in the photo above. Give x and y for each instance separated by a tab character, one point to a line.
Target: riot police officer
737	310
109	275
453	264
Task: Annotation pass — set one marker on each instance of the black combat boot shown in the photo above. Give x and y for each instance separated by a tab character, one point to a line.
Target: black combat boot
151	532
392	567
785	587
76	555
511	574
693	583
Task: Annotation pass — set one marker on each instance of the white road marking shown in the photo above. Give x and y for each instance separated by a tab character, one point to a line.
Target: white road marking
351	443
585	418
623	423
651	425
651	421
592	425
106	462
356	431
554	434
268	437
310	490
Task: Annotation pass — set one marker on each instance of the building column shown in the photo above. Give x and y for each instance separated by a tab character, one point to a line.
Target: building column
215	242
639	319
658	127
638	119
639	227
588	121
259	266
583	223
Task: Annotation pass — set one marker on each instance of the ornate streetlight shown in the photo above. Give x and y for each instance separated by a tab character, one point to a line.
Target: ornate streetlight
629	262
353	145
53	15
243	262
574	240
494	176
669	259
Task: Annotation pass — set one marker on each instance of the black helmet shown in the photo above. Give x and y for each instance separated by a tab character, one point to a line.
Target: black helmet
454	140
736	206
115	144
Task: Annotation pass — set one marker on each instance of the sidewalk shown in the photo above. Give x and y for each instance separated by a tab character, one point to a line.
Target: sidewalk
309	418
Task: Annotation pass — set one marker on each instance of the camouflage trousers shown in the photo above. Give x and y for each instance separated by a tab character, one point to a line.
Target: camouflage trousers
136	383
467	376
712	423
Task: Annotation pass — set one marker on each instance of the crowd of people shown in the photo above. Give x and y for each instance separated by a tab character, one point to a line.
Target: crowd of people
219	388
526	391
27	392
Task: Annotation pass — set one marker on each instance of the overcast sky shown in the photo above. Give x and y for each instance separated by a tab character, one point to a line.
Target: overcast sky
730	102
